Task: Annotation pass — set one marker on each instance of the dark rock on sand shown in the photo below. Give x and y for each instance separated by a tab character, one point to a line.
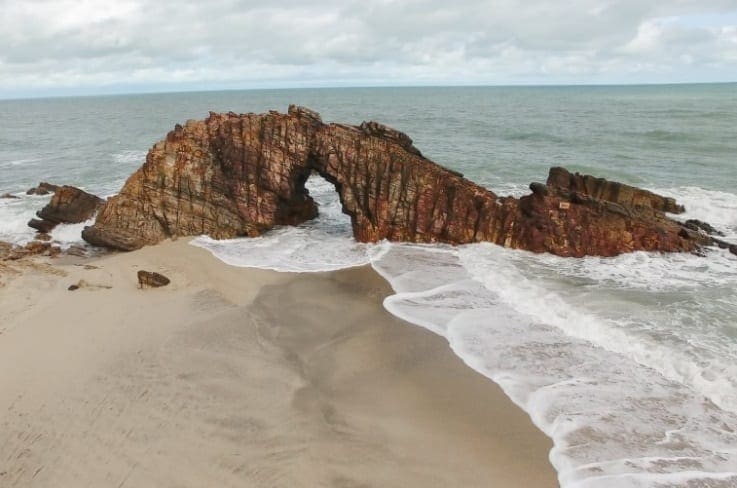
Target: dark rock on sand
77	250
151	279
10	252
242	174
5	248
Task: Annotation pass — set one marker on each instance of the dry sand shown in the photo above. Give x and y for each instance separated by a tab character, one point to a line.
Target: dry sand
236	377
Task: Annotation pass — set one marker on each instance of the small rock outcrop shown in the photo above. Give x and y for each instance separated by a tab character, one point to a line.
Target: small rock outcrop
566	182
706	228
151	279
43	188
242	174
69	205
9	196
10	252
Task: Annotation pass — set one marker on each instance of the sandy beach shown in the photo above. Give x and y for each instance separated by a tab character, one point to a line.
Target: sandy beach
237	377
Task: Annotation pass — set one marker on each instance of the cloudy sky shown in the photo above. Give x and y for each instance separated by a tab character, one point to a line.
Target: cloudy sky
50	47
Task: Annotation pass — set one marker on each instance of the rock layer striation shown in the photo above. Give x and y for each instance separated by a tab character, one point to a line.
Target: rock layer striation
242	174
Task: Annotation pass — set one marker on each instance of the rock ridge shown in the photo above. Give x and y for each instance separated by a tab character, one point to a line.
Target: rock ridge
242	174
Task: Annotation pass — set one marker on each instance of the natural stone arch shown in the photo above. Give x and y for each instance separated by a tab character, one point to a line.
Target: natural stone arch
240	175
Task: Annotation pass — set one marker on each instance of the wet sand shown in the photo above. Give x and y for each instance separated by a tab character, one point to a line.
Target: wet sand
237	377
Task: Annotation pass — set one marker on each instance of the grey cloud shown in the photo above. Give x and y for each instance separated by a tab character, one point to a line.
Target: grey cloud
92	43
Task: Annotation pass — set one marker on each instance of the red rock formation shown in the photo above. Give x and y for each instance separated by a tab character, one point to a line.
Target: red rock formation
240	175
610	191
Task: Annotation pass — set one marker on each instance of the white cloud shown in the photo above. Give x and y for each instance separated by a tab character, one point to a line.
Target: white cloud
48	45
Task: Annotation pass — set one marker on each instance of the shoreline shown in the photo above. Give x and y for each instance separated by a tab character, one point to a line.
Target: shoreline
241	377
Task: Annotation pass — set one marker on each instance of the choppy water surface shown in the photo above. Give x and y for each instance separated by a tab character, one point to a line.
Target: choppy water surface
629	364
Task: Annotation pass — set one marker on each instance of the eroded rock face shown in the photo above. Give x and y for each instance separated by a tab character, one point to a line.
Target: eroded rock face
239	175
610	191
69	205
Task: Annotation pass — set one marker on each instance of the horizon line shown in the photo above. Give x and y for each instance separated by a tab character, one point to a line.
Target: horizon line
114	93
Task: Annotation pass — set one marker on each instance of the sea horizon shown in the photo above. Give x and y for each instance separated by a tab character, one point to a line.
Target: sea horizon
176	91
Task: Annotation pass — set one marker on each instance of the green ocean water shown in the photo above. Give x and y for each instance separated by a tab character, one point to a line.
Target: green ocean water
664	136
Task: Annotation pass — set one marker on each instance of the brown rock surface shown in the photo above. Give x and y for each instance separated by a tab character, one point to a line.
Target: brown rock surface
9	252
240	175
69	205
610	191
151	279
42	226
5	249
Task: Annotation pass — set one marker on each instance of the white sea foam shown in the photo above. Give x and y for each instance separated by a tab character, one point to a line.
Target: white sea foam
20	162
511	189
718	208
289	250
613	421
15	214
67	235
629	364
317	245
130	156
643	306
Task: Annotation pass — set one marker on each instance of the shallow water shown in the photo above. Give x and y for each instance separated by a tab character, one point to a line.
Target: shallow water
629	363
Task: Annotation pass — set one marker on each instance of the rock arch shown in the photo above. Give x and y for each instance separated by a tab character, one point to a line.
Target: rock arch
240	175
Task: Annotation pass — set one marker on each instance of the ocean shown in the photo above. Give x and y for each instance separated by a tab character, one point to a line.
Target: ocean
628	363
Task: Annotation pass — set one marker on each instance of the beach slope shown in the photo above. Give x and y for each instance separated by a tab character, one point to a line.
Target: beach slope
237	377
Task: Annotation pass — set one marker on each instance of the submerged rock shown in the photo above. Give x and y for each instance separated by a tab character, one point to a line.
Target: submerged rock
43	188
240	175
9	196
698	225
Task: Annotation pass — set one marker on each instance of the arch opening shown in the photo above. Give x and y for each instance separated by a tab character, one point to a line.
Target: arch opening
330	218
